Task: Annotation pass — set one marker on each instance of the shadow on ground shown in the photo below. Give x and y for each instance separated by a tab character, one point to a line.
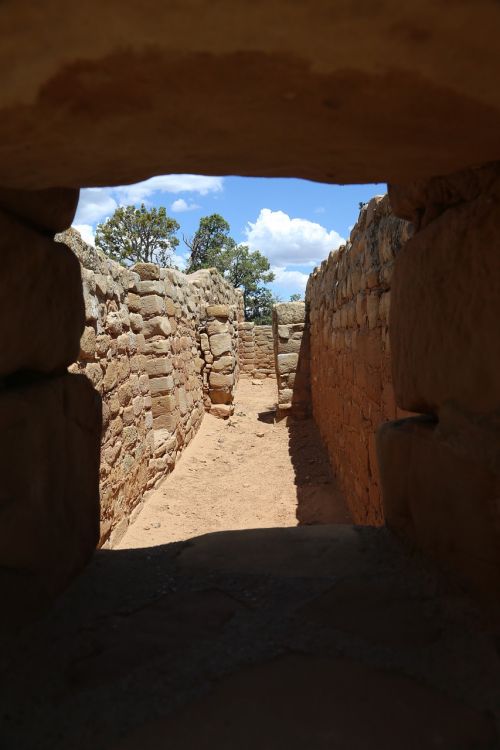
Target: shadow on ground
314	637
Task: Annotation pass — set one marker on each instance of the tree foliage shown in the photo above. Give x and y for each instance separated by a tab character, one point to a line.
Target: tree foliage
209	241
133	235
213	247
296	297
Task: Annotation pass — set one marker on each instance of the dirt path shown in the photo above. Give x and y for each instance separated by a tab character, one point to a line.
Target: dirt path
247	472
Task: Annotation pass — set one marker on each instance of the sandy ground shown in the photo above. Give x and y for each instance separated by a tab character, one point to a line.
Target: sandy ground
250	471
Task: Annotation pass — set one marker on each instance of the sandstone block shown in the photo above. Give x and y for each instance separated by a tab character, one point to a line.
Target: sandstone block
217	326
147	271
442	499
285	313
134	302
287	363
221	396
50	211
149	287
49	527
110	376
88	344
227	362
159	366
42	299
157	326
223	411
161	385
166	421
444	312
157	347
372	308
217	311
220	343
219	380
169	307
161	404
152	305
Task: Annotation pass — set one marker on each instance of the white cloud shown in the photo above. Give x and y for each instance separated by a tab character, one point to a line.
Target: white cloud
87	233
290	281
98	204
170	183
94	205
286	241
180	205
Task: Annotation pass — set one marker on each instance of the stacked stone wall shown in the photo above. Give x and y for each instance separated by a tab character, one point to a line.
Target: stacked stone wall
256	350
348	299
142	350
292	358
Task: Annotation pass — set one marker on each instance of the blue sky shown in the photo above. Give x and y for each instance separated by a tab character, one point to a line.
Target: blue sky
295	223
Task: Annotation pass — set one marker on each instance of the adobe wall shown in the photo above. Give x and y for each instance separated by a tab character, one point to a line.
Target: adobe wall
256	350
348	299
160	348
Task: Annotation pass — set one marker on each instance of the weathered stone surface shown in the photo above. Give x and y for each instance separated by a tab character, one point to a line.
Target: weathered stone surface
217	326
442	498
157	326
49	527
287	363
219	380
147	271
351	383
223	411
217	311
443	324
49	211
289	312
379	133
220	343
159	366
88	344
152	305
149	287
226	362
161	385
41	289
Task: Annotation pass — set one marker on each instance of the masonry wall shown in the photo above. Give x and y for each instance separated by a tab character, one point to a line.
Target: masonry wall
142	349
348	299
292	358
256	350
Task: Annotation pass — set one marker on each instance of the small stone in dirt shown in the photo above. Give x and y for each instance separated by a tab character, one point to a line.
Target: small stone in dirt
241	414
260	434
257	382
156	525
146	528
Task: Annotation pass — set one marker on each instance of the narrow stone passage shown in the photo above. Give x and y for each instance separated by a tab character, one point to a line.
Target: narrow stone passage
325	637
247	472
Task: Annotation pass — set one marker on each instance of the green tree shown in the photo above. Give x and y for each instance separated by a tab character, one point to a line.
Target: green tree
210	239
259	306
296	297
248	270
213	247
136	234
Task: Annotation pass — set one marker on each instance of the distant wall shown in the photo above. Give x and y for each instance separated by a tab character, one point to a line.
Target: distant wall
292	357
256	350
348	299
142	349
